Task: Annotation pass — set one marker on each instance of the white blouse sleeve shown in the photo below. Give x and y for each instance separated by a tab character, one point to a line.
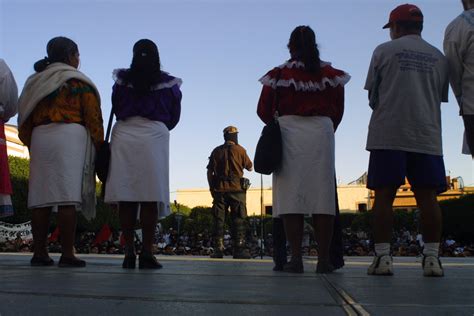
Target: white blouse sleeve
8	93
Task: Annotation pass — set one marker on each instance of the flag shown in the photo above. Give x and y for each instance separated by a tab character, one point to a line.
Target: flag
103	235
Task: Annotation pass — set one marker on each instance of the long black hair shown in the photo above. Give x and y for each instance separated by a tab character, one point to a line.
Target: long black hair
145	70
59	49
303	47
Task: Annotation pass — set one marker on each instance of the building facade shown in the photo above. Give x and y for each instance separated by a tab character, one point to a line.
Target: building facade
353	198
14	145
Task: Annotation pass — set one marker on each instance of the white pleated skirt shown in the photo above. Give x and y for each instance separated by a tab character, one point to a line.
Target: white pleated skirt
57	155
304	184
139	163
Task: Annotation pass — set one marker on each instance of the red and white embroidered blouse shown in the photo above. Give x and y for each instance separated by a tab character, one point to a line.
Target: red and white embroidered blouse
303	93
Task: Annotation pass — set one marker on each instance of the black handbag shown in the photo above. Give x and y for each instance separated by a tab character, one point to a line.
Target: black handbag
102	159
269	149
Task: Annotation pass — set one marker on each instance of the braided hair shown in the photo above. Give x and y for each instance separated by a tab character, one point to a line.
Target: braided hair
303	47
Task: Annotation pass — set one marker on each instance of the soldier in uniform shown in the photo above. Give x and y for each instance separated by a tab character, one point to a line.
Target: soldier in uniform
225	173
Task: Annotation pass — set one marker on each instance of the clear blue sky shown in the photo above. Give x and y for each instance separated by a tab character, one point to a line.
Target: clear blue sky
220	49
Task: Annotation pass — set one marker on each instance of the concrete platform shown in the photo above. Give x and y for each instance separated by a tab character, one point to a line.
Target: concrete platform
203	286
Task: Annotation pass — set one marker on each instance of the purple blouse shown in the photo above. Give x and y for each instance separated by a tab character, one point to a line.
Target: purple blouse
163	103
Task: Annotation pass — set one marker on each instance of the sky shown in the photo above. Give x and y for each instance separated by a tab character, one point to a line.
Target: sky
220	48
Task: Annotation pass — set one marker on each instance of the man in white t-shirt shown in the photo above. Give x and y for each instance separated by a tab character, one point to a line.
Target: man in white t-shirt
459	49
407	81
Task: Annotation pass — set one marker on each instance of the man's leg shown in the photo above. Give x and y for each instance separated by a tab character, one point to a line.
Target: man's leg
383	214
431	225
430	215
218	211
426	174
383	225
238	211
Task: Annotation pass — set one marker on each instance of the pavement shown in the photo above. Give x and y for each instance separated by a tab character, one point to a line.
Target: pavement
204	286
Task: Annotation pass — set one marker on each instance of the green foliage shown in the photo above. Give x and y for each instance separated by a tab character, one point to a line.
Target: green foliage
19	173
458	218
200	219
183	209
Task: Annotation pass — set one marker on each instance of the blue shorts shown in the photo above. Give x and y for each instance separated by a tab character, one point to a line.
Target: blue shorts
388	168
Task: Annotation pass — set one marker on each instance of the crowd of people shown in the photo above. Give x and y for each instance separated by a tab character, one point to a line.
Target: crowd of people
405	243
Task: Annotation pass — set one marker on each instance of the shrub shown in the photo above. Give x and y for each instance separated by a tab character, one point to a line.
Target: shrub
458	218
19	173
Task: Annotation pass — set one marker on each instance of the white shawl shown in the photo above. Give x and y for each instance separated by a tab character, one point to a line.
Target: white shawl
8	93
40	85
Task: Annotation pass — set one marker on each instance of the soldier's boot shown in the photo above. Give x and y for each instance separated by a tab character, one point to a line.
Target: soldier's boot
218	249
240	251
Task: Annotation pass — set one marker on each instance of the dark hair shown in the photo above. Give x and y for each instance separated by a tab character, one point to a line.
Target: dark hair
145	70
411	26
59	49
303	47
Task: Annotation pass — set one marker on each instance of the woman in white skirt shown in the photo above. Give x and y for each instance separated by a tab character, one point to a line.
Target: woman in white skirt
309	97
61	123
147	104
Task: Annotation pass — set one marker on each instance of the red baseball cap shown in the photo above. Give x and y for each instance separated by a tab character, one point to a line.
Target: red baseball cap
405	12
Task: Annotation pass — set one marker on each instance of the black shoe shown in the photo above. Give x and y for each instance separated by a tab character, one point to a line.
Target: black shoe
65	262
41	261
129	262
294	266
324	267
148	261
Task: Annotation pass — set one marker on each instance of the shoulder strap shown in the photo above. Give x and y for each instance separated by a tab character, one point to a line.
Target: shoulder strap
109	125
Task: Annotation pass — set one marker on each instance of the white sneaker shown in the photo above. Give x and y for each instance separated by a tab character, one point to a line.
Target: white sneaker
432	266
382	265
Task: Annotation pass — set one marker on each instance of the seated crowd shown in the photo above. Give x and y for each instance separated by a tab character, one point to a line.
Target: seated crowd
405	243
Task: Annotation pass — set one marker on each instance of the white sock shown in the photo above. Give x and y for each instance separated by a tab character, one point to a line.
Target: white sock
431	249
382	249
